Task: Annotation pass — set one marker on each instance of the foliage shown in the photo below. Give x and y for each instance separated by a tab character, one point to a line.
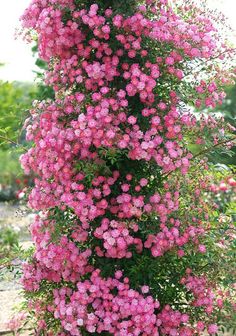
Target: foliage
8	239
12	254
12	179
9	249
228	109
133	236
9	166
15	99
15	102
43	91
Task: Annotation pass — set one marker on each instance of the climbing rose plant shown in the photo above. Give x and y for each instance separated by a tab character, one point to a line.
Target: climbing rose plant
127	236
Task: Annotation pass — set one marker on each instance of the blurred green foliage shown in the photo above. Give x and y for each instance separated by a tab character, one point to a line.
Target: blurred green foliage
228	108
9	166
15	101
9	239
44	91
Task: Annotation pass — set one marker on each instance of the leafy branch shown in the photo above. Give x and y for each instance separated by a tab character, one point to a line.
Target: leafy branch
9	140
206	150
13	142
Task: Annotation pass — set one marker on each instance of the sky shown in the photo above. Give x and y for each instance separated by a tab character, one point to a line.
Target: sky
16	54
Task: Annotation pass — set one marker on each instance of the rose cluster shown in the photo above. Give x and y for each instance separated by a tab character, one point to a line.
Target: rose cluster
104	152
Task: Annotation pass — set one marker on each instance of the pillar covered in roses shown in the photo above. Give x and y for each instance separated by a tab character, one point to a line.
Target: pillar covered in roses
121	214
